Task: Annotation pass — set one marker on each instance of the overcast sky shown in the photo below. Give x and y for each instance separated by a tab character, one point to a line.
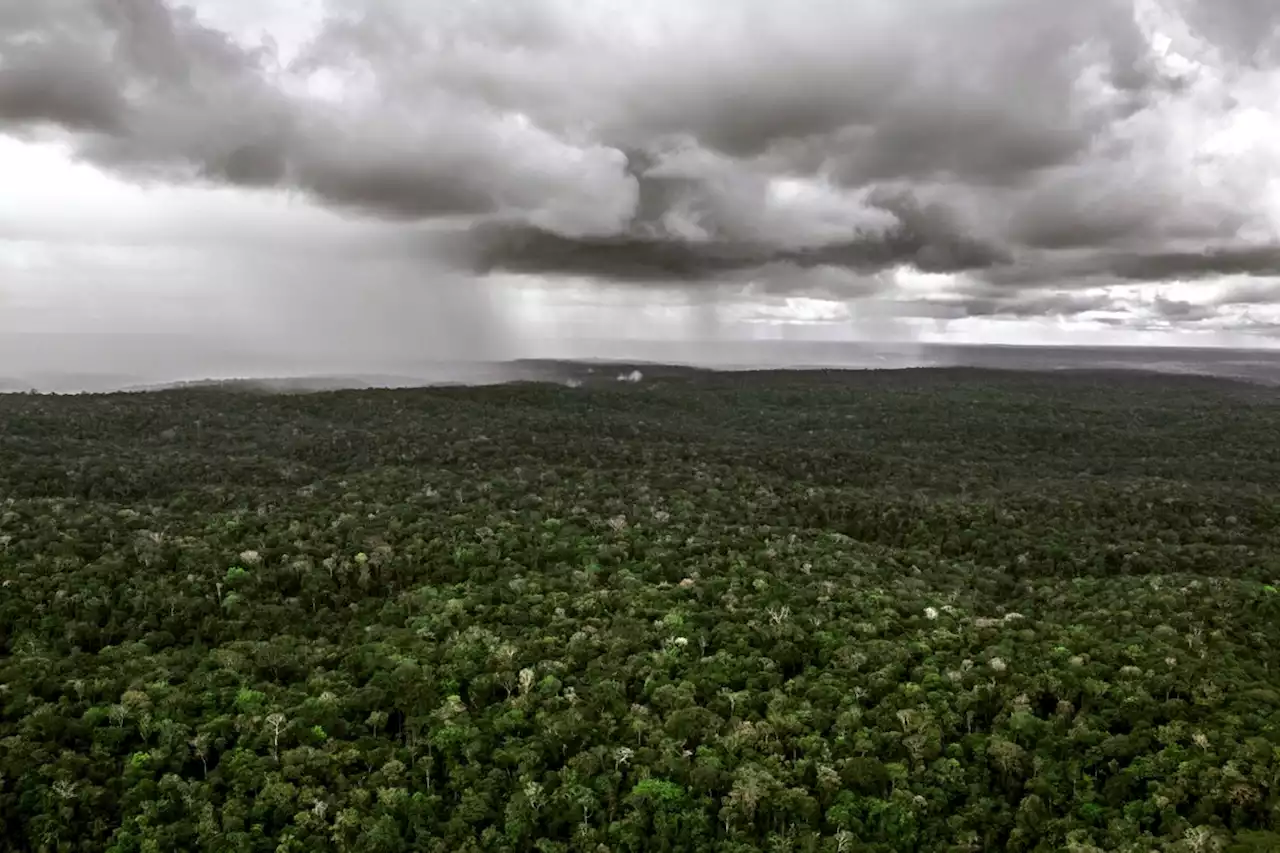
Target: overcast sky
334	184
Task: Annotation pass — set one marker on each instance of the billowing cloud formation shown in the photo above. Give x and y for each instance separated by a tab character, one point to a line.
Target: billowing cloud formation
1027	144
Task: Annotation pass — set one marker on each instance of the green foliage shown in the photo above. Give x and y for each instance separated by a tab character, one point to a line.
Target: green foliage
858	612
658	792
249	701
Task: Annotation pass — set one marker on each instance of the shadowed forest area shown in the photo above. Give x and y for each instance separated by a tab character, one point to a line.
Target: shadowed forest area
921	610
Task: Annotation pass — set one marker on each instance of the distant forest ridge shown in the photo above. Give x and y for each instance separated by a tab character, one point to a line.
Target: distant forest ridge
1257	366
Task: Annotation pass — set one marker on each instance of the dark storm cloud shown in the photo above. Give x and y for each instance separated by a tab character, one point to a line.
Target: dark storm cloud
1102	267
160	95
1182	311
36	86
1248	30
1233	260
1108	206
156	93
1019	142
984	301
1254	292
927	238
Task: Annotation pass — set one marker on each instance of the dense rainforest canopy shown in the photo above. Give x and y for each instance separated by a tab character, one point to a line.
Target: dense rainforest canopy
928	610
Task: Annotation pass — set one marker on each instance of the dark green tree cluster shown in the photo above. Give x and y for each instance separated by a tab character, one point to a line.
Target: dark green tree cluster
859	613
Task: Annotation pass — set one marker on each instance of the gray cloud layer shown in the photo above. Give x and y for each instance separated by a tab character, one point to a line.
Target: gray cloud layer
1027	143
